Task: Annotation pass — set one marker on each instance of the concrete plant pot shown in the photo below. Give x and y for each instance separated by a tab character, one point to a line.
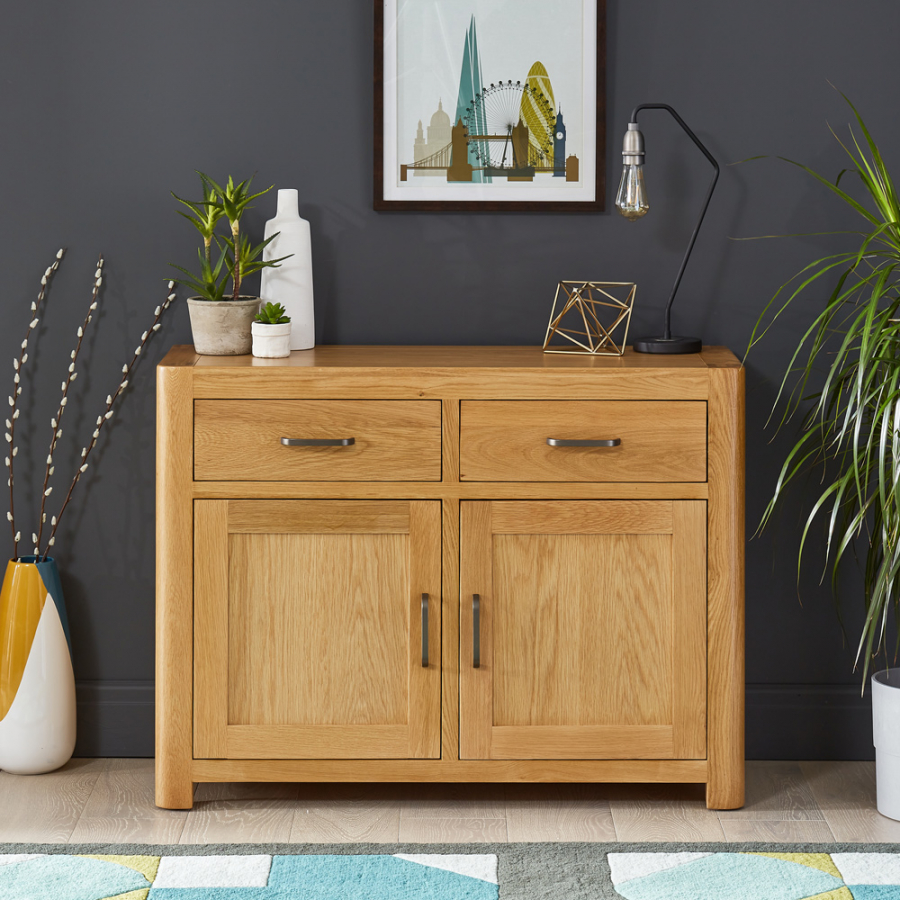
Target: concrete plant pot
271	341
222	328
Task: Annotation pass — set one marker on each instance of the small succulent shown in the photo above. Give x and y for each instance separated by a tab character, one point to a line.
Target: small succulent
272	314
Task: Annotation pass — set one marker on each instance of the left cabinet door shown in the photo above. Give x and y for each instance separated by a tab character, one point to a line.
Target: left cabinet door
310	629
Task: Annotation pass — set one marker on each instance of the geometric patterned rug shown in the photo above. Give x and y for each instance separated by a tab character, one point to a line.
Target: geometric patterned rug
241	877
545	871
756	876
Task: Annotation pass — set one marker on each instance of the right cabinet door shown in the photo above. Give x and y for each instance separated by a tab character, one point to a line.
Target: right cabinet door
583	629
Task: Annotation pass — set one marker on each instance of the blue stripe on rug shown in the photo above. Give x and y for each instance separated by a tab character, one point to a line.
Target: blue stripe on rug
734	876
347	878
67	878
875	891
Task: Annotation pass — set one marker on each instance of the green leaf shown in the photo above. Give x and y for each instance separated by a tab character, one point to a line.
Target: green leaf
850	423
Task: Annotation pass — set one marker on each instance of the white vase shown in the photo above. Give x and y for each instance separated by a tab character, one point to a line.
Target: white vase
886	737
291	284
271	341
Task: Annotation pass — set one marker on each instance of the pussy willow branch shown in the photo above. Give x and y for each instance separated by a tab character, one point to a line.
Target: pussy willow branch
107	414
56	423
18	365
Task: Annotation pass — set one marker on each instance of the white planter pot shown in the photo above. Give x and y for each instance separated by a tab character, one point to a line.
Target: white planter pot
222	328
886	737
271	341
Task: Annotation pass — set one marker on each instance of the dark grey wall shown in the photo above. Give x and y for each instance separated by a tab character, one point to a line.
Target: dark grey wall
107	106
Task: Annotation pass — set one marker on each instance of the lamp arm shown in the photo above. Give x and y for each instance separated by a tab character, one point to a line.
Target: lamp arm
712	185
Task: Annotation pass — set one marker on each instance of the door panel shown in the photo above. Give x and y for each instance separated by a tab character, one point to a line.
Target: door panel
592	630
308	629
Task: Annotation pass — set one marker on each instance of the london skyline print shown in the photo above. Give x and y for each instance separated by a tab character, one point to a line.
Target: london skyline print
489	102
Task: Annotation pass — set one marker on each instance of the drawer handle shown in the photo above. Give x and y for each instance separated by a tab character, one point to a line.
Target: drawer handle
560	442
476	631
318	442
424	631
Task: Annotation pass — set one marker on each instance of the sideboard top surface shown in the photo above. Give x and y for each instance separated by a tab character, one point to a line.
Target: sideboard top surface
441	357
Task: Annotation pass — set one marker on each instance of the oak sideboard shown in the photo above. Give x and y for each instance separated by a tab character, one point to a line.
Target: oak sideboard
450	564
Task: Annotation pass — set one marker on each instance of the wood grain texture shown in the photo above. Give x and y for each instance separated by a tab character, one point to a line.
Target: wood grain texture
423	716
364	378
780	831
583	638
408	356
845	793
325	820
507	441
211	628
241	439
214	490
239	822
476	578
330	664
425	770
776	791
584	517
330	644
689	562
45	809
312	517
174	580
582	742
597	640
557	813
450	631
450	441
725	674
453	830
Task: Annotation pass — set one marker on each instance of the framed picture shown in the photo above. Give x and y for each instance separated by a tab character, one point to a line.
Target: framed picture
487	105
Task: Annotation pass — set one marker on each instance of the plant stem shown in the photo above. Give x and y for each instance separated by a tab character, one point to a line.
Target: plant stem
107	414
17	390
236	238
70	377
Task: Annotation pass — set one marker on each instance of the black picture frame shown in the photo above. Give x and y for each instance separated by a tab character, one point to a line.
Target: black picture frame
598	204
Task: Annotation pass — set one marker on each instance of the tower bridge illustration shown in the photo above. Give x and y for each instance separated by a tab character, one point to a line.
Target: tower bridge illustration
509	130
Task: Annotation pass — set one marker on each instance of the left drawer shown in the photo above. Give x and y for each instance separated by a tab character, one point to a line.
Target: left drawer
349	440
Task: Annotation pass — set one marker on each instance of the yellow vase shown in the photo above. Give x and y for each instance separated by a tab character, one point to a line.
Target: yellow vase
37	682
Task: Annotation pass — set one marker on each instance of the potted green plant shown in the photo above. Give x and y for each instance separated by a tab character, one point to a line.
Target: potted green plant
221	324
843	381
272	332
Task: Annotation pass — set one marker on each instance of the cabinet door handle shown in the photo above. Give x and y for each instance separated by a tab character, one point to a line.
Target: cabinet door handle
476	631
424	631
560	442
318	442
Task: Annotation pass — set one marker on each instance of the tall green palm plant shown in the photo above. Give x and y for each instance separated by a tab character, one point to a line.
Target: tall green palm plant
850	426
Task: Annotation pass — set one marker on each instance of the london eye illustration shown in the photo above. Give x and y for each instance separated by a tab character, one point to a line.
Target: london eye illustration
493	122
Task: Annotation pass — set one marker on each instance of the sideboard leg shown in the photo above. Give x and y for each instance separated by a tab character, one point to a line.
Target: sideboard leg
174	588
725	687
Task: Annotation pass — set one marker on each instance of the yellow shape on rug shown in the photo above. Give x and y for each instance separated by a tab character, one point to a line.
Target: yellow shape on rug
148	866
840	894
821	861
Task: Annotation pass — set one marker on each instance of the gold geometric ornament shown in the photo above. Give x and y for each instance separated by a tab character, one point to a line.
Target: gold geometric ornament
587	314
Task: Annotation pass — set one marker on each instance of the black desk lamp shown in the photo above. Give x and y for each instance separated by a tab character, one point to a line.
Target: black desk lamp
631	201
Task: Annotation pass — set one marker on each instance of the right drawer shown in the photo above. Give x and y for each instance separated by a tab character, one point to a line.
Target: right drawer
652	440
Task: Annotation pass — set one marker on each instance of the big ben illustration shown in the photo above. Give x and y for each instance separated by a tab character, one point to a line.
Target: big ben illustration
559	147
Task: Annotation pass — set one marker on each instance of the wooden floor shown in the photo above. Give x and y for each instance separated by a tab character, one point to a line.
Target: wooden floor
101	800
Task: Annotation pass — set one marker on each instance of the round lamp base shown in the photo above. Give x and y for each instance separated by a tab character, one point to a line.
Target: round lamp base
668	345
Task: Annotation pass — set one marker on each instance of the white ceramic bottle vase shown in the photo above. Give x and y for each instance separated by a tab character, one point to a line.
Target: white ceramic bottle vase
291	284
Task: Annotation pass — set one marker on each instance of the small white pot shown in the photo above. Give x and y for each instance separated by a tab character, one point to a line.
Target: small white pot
886	737
271	341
